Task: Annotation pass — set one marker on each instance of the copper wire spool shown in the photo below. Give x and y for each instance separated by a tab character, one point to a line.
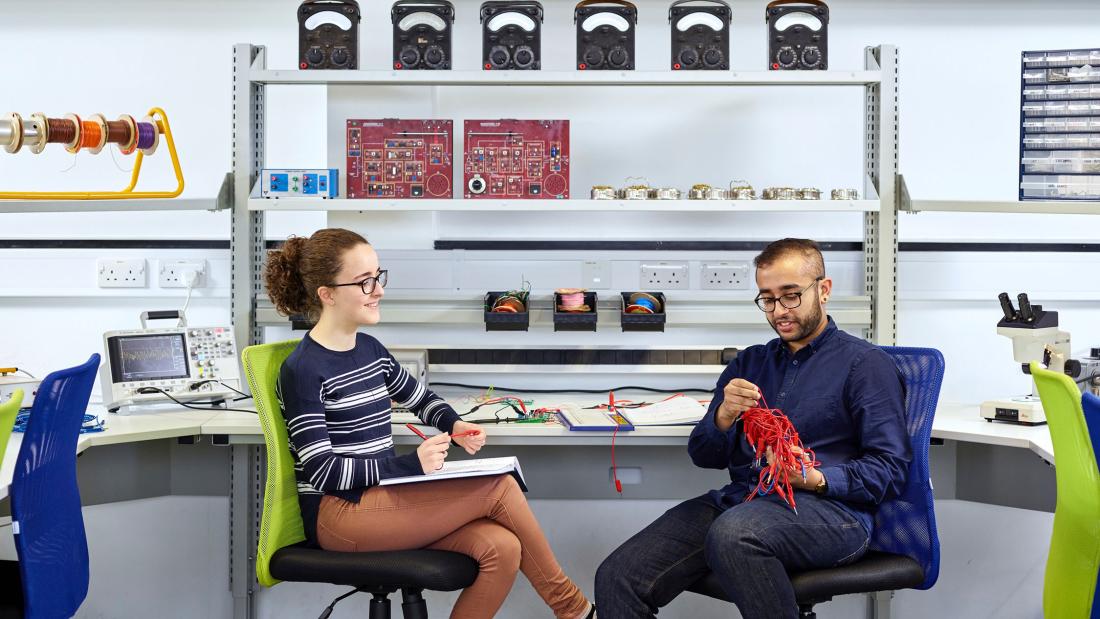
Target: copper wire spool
509	304
128	147
74	145
94	135
40	129
15	138
62	131
123	132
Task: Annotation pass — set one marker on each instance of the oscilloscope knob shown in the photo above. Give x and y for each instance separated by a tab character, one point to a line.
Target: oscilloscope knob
688	57
811	56
786	57
618	57
434	56
315	55
410	56
713	57
524	56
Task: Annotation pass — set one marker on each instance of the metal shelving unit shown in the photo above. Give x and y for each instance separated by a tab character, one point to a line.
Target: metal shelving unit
564	206
1019	207
218	203
876	309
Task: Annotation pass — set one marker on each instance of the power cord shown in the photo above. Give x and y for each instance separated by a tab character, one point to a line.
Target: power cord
600	391
328	610
197	384
186	405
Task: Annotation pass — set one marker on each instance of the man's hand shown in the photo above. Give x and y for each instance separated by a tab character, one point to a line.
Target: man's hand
473	442
433	452
738	396
813	476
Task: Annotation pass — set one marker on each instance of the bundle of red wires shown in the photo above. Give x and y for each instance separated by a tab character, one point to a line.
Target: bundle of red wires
773	437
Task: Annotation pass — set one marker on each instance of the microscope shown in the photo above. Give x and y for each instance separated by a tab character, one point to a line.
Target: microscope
1035	337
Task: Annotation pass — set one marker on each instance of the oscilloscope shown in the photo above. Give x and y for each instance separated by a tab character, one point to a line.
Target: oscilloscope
144	366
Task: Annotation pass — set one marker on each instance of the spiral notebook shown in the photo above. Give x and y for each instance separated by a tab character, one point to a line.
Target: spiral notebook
679	410
457	469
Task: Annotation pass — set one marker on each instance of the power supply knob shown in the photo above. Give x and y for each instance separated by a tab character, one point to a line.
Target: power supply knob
713	57
315	55
618	57
340	56
811	57
786	57
409	56
524	57
434	56
593	57
499	57
688	57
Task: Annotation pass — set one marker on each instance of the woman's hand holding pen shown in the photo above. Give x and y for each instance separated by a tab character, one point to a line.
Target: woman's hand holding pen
468	436
433	451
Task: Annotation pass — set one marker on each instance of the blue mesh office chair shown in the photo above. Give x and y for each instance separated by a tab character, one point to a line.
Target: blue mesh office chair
905	550
45	500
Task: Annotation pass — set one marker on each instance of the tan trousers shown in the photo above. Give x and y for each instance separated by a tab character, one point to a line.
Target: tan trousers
486	518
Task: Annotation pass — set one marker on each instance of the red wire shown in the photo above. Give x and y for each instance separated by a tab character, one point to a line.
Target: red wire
769	428
614	471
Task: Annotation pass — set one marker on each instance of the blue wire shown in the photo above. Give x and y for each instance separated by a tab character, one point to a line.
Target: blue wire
90	424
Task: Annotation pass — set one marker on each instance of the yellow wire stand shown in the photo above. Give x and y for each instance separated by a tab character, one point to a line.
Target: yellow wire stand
161	120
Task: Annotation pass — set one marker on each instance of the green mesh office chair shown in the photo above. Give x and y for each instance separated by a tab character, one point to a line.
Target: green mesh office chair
8	411
283	555
11	604
1069	589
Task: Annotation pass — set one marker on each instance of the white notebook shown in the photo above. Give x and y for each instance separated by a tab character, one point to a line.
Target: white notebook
678	410
456	469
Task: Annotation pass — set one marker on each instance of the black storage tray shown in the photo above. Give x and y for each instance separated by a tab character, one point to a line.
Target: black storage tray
576	321
643	322
504	321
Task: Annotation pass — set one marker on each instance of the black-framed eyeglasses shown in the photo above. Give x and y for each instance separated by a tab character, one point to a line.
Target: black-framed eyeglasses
790	300
367	283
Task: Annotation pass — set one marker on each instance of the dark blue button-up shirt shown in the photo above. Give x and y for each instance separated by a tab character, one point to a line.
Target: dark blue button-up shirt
845	398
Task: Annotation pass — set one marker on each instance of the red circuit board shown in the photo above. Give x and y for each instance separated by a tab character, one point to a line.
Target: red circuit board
516	159
391	158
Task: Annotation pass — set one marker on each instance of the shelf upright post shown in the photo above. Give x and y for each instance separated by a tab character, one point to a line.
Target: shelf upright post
247	253
880	228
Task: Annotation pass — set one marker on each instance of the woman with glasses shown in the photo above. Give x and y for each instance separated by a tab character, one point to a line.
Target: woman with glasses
335	390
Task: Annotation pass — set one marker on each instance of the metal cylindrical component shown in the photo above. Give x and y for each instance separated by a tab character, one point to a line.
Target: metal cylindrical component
809	193
844	194
634	192
36	132
664	193
698	192
741	190
780	193
603	192
716	193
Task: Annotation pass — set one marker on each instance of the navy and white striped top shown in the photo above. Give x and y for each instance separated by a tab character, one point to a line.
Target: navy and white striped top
337	410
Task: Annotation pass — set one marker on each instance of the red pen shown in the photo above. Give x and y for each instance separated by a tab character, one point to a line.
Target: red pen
425	437
418	432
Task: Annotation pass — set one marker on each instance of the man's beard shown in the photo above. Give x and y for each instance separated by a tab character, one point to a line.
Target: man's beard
806	326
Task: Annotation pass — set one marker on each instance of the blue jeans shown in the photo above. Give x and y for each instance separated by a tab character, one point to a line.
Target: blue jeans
751	547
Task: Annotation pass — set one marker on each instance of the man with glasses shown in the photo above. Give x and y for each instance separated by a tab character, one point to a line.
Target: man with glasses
844	396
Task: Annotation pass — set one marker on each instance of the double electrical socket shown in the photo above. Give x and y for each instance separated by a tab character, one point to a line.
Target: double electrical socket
132	273
121	273
725	276
665	276
172	273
